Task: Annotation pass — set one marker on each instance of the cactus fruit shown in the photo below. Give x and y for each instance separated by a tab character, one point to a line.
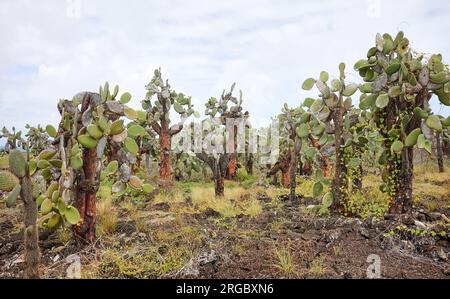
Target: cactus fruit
8	181
17	164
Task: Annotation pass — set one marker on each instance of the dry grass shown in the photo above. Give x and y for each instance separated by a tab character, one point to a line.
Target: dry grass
284	260
316	267
236	201
107	216
172	196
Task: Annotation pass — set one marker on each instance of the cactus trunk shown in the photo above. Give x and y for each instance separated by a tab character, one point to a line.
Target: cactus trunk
286	177
86	196
325	161
339	180
219	185
231	172
402	201
249	164
31	237
165	156
439	152
293	167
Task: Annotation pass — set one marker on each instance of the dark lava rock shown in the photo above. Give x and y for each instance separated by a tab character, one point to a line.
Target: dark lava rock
163	206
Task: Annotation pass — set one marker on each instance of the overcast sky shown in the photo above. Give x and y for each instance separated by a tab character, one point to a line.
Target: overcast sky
54	49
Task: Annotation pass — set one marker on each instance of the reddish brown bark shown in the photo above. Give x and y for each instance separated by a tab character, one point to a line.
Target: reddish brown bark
286	176
86	196
165	156
326	167
282	165
232	147
232	168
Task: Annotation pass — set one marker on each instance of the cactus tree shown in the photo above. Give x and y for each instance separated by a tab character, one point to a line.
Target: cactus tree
217	154
13	139
158	116
90	123
37	139
331	107
229	109
399	84
18	183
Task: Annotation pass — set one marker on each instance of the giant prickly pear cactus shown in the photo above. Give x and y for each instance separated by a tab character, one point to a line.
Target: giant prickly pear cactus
218	157
18	182
398	86
229	108
13	139
158	116
331	107
37	139
91	123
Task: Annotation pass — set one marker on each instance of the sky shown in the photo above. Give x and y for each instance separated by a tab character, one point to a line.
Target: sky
53	49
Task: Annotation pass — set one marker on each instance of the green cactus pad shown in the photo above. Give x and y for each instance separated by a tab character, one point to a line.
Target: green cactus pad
72	215
11	198
8	181
17	163
87	141
411	140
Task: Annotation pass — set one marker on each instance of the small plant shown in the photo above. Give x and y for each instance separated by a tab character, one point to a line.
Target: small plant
284	260
316	267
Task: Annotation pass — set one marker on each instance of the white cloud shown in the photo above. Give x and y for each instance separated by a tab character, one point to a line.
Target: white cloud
267	47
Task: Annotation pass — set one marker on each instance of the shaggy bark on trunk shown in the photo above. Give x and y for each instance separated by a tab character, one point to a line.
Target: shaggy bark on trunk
31	236
86	192
325	161
339	180
402	199
293	167
439	152
232	163
219	169
249	164
165	148
282	165
86	187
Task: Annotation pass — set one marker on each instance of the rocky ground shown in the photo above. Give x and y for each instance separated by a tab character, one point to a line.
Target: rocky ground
283	241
